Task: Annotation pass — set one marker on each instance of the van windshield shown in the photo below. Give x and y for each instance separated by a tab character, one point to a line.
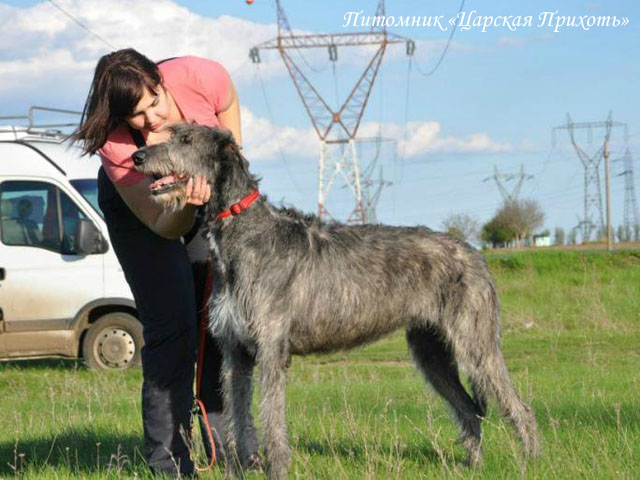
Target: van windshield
88	188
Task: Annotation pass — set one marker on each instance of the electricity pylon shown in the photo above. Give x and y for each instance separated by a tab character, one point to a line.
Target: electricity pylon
509	196
371	197
593	212
631	214
336	129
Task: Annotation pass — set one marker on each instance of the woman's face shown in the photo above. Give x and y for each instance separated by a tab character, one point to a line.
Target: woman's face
152	111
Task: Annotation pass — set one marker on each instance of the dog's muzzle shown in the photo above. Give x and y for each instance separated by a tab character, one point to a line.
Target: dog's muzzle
139	157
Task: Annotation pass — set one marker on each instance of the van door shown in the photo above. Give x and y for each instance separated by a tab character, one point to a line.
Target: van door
45	281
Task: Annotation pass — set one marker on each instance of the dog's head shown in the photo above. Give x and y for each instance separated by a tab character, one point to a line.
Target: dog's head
191	150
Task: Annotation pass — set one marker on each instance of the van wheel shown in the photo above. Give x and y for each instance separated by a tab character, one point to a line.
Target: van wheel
113	342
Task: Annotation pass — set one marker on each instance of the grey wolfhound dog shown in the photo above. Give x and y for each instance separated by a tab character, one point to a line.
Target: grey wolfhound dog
289	284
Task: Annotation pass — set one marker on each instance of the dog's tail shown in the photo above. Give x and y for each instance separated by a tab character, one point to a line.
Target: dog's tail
478	346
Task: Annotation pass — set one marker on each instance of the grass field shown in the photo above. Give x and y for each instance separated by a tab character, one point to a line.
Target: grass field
570	338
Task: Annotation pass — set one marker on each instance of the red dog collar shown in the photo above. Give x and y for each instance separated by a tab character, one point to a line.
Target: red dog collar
239	207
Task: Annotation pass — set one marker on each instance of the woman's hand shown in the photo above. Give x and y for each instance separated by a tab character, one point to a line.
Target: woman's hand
198	191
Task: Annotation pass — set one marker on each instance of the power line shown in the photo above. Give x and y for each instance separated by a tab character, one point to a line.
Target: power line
336	129
593	208
276	137
237	69
544	167
446	47
82	25
487	209
406	120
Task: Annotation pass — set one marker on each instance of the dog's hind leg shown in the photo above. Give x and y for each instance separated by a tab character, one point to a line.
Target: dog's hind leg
435	359
273	359
237	377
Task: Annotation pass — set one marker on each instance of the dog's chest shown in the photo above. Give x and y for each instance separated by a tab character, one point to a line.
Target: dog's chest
226	319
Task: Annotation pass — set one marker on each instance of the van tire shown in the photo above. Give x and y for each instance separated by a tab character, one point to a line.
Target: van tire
113	342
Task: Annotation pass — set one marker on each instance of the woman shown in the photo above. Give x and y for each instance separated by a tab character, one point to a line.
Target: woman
131	103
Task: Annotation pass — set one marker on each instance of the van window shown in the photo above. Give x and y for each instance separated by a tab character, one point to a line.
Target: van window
38	214
29	214
71	214
88	188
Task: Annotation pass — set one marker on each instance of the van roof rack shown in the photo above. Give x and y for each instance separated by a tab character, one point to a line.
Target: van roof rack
37	131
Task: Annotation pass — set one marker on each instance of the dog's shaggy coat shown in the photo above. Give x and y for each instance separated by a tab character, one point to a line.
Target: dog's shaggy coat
286	283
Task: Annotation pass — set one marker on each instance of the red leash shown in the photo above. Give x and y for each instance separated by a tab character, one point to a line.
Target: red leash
201	344
234	209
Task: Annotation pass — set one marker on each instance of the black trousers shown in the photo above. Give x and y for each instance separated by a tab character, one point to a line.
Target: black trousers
167	279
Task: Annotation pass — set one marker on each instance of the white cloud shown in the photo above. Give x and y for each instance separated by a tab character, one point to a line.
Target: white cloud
422	138
418	138
267	140
22	73
425	137
33	40
45	54
40	41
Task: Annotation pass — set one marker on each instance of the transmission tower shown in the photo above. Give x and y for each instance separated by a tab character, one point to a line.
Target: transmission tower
593	212
631	214
582	227
336	129
370	196
509	196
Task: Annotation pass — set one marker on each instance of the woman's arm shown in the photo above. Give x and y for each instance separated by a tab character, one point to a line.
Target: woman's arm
166	224
175	224
229	117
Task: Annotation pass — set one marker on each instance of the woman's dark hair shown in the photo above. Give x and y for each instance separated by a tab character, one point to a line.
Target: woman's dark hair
119	81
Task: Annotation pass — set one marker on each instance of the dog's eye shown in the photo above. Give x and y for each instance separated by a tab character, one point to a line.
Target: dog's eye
186	139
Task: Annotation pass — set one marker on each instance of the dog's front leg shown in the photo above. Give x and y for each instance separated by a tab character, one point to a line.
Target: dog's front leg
272	362
237	377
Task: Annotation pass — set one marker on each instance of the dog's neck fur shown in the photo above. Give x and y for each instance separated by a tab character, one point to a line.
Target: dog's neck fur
233	183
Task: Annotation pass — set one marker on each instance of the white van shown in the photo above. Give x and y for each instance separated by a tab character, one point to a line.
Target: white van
62	290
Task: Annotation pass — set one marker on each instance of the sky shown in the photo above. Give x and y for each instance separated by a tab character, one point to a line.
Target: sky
492	101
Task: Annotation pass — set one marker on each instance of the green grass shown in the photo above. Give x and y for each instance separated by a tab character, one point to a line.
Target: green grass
569	290
570	340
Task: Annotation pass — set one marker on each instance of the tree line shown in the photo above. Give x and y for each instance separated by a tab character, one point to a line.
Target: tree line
516	223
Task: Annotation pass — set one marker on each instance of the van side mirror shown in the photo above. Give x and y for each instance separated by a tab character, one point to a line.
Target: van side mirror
89	239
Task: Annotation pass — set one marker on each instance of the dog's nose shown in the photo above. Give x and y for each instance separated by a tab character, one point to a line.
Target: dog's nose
139	157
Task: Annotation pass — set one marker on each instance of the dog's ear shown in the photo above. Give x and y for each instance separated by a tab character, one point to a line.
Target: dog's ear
235	154
243	162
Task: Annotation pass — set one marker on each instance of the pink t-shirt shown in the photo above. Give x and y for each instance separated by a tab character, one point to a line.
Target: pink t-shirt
200	88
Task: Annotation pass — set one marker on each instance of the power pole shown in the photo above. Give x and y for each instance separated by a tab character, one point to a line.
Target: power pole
607	175
509	196
336	129
591	163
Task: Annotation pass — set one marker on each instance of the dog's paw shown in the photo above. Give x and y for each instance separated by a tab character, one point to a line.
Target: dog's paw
255	463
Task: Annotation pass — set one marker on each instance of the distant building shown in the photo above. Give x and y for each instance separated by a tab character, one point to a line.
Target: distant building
542	240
